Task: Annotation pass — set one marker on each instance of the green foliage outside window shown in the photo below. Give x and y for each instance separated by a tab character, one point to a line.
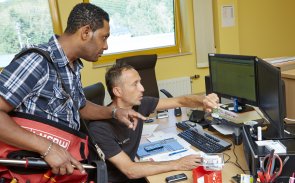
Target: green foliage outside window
139	18
23	23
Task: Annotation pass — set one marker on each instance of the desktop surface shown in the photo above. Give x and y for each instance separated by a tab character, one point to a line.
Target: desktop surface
236	153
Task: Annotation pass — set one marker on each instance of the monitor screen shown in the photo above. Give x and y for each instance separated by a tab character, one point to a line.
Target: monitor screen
271	96
233	76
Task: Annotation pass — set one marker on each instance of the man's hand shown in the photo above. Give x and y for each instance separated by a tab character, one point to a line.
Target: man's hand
61	161
210	102
128	117
188	162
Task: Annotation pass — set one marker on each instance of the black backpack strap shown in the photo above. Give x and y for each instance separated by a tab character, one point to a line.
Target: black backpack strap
44	53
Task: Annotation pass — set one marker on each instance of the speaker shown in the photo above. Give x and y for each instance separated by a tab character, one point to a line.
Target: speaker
208	85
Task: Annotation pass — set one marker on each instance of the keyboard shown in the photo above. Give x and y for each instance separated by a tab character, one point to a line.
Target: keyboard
204	141
219	121
183	125
222	121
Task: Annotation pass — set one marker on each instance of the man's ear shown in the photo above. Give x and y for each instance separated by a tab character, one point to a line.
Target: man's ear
86	32
117	91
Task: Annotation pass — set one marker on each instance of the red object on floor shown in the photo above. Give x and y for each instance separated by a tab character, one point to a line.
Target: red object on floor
209	176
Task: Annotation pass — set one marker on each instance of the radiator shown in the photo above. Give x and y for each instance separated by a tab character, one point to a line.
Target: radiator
176	86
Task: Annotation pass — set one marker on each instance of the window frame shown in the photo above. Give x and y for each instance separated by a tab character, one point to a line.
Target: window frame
55	16
109	59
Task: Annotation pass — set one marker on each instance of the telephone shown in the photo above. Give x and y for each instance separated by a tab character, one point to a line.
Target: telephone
177	111
197	116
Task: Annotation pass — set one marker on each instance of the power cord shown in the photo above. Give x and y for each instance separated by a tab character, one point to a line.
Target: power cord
236	163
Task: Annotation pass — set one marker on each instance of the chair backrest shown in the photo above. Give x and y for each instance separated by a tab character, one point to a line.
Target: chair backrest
145	65
95	93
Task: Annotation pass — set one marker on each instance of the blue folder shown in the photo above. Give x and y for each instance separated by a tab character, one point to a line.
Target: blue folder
161	146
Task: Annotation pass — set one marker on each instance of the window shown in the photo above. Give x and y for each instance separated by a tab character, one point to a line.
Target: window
140	27
23	23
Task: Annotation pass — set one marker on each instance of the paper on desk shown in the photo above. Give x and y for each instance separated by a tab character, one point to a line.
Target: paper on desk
148	129
160	135
224	129
167	157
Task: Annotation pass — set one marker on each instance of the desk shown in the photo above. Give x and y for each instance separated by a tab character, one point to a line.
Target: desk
288	75
229	169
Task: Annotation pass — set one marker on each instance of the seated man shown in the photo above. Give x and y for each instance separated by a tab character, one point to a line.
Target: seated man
120	144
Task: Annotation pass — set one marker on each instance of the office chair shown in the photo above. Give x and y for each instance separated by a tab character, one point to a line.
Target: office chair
95	93
145	65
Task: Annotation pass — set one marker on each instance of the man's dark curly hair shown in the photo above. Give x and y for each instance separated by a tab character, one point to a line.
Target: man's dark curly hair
86	14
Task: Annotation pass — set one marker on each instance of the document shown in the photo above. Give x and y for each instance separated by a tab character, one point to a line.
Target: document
224	129
148	129
171	146
174	155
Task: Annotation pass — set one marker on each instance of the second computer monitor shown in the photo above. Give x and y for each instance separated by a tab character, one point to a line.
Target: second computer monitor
233	77
271	97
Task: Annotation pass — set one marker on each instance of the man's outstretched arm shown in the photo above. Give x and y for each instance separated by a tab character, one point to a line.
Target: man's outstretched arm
134	170
207	102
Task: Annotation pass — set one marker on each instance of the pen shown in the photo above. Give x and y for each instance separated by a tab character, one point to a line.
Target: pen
177	152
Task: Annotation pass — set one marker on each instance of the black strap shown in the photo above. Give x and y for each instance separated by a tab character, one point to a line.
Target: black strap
41	52
46	55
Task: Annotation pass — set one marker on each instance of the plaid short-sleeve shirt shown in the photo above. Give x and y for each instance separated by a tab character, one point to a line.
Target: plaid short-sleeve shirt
32	86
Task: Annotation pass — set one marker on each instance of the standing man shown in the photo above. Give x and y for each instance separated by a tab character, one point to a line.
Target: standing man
30	85
120	144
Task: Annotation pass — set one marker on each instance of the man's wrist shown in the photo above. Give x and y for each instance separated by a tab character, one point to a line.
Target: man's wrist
48	150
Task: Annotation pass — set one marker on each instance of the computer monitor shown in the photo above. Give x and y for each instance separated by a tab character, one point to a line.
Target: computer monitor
271	97
233	77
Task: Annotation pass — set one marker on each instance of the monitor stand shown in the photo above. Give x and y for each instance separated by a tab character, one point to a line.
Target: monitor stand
241	108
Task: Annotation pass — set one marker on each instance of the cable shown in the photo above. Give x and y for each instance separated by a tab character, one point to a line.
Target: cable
235	163
227	159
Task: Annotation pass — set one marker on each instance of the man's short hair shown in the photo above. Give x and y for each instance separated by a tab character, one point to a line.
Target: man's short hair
86	14
113	75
